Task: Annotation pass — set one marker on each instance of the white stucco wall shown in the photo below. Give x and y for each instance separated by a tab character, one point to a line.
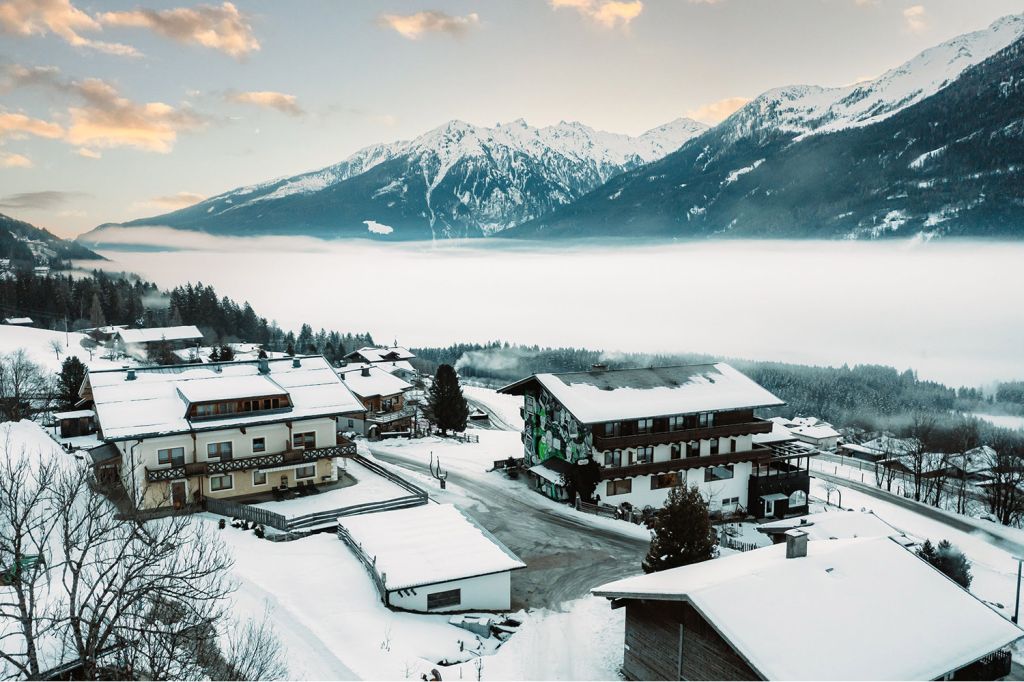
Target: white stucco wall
714	492
483	593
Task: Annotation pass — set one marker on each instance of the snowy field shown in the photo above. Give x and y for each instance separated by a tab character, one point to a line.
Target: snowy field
49	348
872	302
1003	420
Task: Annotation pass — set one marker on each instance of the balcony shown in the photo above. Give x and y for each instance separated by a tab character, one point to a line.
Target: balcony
389	417
757	455
343	448
682	435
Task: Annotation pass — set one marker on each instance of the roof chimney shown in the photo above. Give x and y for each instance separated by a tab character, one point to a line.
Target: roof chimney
130	375
366	371
796	543
264	366
296	362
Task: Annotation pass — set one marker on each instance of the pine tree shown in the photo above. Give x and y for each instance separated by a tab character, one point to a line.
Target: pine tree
96	318
948	559
446	406
72	374
682	532
227	354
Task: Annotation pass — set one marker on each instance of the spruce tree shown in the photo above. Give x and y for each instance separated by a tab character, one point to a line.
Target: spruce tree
446	406
948	559
96	318
682	532
72	374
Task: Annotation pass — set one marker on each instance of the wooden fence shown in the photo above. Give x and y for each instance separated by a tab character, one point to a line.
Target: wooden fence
246	511
369	563
732	543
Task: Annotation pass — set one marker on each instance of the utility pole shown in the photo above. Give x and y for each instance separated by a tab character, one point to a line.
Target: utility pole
1016	608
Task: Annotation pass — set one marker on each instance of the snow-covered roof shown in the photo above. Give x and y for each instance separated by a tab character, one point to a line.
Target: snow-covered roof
395	366
379	381
553	470
779	434
17	320
429	544
817	432
156	401
890	445
381	353
613	394
867	608
74	414
854	447
154	334
835	525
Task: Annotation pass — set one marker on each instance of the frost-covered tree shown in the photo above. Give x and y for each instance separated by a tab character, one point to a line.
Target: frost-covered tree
683	533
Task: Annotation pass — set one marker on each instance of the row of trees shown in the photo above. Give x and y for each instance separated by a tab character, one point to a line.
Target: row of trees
118	598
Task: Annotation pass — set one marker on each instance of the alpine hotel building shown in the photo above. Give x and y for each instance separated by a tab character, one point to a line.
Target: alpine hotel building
656	428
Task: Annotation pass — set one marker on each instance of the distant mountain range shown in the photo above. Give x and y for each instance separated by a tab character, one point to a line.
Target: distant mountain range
25	244
457	180
933	147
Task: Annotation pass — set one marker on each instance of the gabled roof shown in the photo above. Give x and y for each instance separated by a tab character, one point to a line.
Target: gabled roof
379	382
17	320
428	544
154	334
863	609
613	394
381	353
156	401
840	525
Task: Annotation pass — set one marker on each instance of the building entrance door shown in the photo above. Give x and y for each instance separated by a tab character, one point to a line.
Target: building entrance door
178	494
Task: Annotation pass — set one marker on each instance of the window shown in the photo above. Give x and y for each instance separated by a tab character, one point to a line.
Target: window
713	448
613	458
677	423
623	487
304	441
266	403
351	424
439	600
676	450
306	472
219	450
693	448
259	478
645	454
204	410
664	481
275	403
644	425
259	444
730	501
220	482
247	406
174	456
706	420
717	473
612	429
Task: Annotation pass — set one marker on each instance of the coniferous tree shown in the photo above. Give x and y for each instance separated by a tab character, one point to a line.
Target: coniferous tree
227	354
683	533
96	318
72	374
446	406
948	559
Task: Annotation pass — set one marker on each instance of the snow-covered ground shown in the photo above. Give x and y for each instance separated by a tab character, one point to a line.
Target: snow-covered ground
369	487
506	407
1004	420
39	344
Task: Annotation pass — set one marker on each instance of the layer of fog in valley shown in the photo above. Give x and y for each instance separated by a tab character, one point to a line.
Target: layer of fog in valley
948	309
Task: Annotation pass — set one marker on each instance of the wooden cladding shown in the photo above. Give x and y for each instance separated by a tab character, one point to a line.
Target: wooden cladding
664	436
755	455
227	408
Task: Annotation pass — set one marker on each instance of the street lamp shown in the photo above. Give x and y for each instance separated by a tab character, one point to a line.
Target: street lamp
1016	608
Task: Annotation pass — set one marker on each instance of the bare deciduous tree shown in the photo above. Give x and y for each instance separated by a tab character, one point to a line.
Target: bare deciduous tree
1004	491
25	387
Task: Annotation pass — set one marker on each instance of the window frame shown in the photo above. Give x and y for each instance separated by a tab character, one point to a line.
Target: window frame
170	457
218	450
444	599
263	444
220	477
644	426
304	436
257	472
614	487
311	467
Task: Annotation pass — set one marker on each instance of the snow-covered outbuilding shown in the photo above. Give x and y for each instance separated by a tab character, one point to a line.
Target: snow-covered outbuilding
812	431
19	321
383	395
837	526
432	558
862	609
150	335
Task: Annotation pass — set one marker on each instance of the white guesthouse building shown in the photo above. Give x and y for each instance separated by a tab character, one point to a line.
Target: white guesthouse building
179	434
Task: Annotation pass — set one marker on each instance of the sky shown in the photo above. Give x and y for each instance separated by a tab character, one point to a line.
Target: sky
117	110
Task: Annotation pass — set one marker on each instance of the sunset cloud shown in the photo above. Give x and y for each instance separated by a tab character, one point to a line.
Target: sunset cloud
40	200
268	99
106	119
717	111
87	153
414	26
58	17
607	13
12	160
221	28
915	18
16	126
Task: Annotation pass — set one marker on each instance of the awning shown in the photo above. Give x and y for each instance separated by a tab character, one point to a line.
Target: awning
774	497
547	474
104	454
77	414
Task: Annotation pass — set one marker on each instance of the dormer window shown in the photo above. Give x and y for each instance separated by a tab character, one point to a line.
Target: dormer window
644	425
706	420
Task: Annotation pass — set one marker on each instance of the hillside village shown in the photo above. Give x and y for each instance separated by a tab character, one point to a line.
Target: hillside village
453	550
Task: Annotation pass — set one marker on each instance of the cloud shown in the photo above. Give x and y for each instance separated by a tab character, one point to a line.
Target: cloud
286	104
59	17
221	28
607	13
915	18
413	26
174	201
88	153
40	200
717	111
19	125
108	120
12	160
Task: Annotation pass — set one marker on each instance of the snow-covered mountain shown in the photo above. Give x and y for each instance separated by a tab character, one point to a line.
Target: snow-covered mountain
935	146
453	181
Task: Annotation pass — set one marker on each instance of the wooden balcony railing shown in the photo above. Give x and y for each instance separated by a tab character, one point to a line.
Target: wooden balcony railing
388	417
682	435
757	455
343	448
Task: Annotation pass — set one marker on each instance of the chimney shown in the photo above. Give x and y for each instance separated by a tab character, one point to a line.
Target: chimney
296	362
598	367
130	375
366	371
264	366
796	543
